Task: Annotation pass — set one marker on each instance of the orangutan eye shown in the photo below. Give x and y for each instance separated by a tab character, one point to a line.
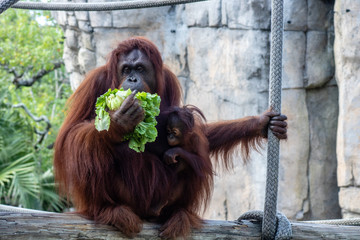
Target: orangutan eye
140	69
176	132
126	70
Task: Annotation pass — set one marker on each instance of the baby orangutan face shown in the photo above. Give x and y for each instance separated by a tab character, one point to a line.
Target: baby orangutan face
175	130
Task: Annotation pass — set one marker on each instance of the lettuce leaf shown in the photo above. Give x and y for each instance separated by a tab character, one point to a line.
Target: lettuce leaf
145	131
102	120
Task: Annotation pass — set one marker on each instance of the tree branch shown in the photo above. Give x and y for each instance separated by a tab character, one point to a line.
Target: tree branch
41	134
19	81
43	225
11	70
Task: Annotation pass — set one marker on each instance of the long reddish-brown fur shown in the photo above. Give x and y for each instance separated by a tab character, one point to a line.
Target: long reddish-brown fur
112	184
246	131
194	152
194	182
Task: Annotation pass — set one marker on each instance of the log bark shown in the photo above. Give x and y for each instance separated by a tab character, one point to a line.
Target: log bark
15	225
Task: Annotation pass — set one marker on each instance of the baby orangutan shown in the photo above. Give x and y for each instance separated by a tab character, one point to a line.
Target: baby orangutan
184	132
188	156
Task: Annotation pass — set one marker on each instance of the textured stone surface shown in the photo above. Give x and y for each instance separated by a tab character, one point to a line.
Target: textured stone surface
231	91
87	60
347	59
349	199
71	39
294	59
323	106
80	15
295	15
293	183
253	14
60	17
320	15
86	41
76	79
220	52
100	19
231	88
85	26
215	13
197	14
70	60
147	18
103	48
319	50
239	190
72	21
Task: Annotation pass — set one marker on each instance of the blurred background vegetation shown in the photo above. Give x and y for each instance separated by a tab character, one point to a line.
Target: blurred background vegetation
33	91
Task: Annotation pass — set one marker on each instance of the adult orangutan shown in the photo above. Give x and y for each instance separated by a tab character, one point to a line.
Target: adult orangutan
112	184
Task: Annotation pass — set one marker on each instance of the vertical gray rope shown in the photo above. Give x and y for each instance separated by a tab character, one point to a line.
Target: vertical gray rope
270	209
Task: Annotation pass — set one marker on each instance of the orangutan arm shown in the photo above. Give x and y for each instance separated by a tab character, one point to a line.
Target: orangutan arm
224	136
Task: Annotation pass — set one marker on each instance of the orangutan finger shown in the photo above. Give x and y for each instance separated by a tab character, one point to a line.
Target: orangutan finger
279	117
128	102
278	129
280	136
271	114
278	123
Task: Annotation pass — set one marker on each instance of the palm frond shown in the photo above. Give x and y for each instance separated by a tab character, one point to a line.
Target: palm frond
49	200
18	181
24	180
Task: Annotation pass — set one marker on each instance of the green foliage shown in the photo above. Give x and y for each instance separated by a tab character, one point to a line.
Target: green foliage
27	45
22	182
146	130
111	100
17	160
30	41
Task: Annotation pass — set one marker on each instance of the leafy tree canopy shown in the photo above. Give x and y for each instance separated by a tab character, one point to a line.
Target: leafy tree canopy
32	74
29	41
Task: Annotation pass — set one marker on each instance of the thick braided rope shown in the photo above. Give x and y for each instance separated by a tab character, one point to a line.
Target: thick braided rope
5	4
347	222
100	6
269	220
283	225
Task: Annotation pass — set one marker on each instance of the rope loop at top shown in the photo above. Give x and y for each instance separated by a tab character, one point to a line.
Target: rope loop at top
99	6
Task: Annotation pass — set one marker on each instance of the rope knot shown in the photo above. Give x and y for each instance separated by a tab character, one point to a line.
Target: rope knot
283	225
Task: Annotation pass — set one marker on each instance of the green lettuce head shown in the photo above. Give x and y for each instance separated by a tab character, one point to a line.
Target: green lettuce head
145	131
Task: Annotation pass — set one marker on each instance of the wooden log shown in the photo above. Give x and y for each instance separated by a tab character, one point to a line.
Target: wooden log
71	226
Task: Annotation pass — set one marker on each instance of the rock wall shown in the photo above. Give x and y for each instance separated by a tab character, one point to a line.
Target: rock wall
347	58
219	50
